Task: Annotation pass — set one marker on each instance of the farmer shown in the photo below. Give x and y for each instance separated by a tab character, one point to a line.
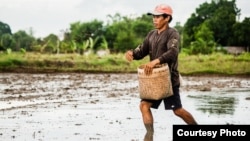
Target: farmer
162	46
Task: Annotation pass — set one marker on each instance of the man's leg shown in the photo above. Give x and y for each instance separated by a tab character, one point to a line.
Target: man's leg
185	115
149	136
147	115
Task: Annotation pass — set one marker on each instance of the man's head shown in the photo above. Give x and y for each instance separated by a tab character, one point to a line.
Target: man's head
162	9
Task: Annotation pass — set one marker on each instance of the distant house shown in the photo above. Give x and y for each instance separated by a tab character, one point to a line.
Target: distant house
236	50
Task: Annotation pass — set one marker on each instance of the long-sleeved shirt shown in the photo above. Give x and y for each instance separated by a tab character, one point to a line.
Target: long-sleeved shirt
165	47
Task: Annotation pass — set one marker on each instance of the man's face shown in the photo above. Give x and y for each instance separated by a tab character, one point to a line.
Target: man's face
159	21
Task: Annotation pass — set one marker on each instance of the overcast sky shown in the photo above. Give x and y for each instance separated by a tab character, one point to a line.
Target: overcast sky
53	16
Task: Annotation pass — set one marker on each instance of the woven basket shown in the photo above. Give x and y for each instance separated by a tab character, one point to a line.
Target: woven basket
157	85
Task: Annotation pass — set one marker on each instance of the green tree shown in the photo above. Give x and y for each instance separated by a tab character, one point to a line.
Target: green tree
179	28
5	36
4	29
82	32
224	17
220	16
23	40
125	32
142	25
6	41
125	38
204	41
52	44
112	29
241	33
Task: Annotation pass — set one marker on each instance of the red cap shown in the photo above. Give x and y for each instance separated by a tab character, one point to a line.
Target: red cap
162	9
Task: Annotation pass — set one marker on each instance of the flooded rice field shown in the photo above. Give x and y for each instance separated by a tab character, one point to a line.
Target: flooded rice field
87	107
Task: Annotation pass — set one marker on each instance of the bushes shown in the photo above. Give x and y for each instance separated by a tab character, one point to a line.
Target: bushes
216	63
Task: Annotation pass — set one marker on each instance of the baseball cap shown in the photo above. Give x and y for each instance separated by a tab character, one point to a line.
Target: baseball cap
161	9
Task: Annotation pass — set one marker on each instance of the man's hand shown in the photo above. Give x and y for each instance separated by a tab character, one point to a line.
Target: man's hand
129	55
148	68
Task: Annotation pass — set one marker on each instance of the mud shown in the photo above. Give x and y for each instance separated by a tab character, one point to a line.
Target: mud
82	106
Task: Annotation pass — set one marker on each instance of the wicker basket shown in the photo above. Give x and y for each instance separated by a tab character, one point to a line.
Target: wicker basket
157	85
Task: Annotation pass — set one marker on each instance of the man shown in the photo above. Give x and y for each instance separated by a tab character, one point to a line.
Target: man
162	46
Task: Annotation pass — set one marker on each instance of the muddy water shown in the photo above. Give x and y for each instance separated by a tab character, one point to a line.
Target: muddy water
74	107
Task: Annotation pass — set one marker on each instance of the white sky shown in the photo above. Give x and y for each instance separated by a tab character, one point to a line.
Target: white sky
53	16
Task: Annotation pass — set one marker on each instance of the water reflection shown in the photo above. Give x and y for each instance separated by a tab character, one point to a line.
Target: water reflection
215	104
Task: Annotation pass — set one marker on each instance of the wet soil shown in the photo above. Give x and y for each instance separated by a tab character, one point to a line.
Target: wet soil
85	106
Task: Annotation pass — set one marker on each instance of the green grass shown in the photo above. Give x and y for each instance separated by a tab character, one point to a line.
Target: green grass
188	64
215	64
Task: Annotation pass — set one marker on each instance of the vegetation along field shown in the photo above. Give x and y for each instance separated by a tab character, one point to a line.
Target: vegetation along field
217	63
97	46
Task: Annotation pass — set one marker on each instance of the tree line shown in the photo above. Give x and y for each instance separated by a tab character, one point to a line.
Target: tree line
212	25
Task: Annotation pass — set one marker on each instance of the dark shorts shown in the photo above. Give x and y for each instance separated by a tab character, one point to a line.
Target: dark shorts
170	103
